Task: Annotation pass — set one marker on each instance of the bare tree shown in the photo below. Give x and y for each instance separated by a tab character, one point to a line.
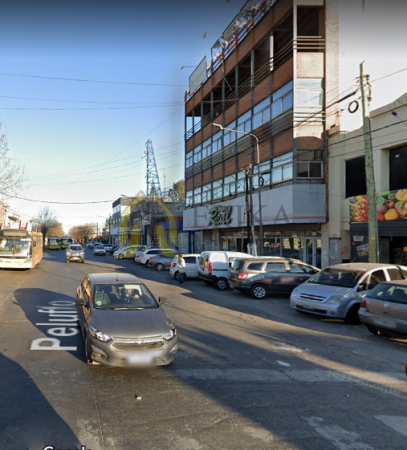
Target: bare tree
11	174
82	233
45	220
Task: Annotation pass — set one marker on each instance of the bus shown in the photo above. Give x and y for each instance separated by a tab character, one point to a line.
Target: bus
20	249
66	241
54	243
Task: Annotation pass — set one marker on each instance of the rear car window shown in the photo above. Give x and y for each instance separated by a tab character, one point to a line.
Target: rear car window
255	266
395	274
275	267
237	264
376	277
190	260
389	293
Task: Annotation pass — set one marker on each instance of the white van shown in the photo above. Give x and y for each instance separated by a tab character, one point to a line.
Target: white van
214	267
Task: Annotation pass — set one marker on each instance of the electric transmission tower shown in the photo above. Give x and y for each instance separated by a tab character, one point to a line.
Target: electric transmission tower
152	178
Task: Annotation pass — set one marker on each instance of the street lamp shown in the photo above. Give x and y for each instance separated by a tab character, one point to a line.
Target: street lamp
259	190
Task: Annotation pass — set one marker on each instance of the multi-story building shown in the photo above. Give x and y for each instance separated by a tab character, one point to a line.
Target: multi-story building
119	206
274	74
347	228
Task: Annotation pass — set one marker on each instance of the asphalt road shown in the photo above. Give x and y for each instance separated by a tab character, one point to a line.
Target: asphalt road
250	374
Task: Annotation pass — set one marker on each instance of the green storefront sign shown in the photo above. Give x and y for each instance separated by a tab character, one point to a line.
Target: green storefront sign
220	215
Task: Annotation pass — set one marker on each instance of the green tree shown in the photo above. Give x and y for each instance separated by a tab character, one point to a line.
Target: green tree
177	192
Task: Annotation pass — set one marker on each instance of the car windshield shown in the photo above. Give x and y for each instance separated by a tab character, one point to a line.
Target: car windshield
10	246
123	297
336	277
99	246
75	247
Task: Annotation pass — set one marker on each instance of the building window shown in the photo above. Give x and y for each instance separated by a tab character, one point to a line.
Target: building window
229	136
355	183
217	142
310	164
197	154
207	193
197	196
229	186
241	182
262	175
217	190
282	100
282	168
189	198
189	162
245	123
206	149
308	93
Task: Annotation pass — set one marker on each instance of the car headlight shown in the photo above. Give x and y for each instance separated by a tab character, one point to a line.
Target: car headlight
295	293
335	300
170	334
99	335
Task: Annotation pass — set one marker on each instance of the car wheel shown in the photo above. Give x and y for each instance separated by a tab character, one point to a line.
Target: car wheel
120	257
352	318
221	284
176	275
159	267
258	292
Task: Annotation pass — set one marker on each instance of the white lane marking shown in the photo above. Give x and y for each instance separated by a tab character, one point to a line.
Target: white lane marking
398	423
282	363
341	438
288	349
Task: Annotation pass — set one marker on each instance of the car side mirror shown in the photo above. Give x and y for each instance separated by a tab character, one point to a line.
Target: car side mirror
161	300
362	287
81	301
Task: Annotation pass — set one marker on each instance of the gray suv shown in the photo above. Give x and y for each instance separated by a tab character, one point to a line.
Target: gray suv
266	275
75	252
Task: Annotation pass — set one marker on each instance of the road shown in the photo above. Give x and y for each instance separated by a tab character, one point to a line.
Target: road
250	374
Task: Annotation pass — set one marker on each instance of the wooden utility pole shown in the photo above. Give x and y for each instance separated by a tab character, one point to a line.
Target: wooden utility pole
249	194
370	180
249	241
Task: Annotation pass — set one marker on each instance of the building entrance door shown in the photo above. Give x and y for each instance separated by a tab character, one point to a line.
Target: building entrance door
312	251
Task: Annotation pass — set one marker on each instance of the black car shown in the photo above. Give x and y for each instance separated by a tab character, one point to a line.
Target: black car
262	276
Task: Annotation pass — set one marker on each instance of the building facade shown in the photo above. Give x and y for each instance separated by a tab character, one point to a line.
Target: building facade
273	76
347	227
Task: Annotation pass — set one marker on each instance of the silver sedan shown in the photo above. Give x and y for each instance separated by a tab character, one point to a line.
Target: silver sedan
122	323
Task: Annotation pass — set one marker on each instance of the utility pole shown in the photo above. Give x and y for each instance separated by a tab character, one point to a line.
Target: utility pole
248	220
372	227
249	193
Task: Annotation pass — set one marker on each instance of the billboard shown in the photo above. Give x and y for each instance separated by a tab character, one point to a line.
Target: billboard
198	75
390	206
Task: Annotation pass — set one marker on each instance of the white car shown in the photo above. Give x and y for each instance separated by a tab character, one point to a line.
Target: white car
191	266
140	250
99	250
116	253
146	255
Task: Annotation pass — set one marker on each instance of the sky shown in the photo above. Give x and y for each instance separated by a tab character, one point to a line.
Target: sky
84	141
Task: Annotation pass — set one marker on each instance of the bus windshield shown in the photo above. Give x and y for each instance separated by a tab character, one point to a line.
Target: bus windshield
11	246
66	241
53	241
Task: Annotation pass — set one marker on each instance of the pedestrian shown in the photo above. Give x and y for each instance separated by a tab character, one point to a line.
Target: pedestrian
181	269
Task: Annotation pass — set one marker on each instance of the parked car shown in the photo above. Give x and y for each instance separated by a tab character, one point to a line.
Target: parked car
118	250
160	262
147	254
140	250
266	275
384	309
109	248
93	244
337	291
122	323
191	266
99	250
214	267
75	252
126	252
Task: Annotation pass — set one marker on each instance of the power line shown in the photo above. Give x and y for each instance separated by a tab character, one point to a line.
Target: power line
84	80
59	203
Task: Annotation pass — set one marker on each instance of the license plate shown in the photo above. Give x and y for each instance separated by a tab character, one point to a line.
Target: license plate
140	358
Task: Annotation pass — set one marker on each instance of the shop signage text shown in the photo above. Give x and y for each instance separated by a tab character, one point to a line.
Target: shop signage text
220	215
